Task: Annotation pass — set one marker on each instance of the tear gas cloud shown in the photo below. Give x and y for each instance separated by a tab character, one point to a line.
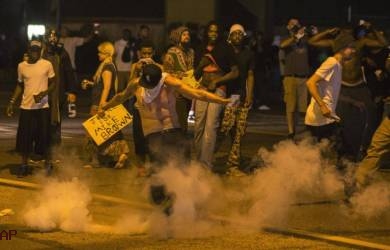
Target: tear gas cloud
201	198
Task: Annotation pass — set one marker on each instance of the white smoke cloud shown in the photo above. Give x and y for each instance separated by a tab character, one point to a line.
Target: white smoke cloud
60	205
206	204
291	169
372	201
193	188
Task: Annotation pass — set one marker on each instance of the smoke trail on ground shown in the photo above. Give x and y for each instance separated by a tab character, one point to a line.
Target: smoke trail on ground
291	169
372	201
206	204
60	205
262	198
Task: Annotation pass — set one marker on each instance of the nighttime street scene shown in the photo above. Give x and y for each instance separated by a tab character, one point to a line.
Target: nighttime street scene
194	124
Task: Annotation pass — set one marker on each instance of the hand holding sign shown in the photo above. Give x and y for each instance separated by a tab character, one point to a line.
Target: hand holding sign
103	126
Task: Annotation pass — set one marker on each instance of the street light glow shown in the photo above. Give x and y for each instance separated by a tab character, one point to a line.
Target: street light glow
35	30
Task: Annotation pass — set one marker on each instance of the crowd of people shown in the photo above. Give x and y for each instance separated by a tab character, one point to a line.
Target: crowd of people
218	79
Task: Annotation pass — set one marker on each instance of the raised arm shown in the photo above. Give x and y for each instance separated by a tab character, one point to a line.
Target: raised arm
122	96
287	42
323	39
190	92
134	71
378	40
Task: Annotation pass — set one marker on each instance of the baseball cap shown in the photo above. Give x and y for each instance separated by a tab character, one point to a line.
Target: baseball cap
35	45
237	27
151	75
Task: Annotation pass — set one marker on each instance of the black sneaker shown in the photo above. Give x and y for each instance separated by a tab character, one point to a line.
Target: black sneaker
291	136
23	171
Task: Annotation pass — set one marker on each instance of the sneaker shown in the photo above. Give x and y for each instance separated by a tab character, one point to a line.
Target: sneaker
235	172
121	163
88	166
264	107
36	162
291	136
23	171
191	119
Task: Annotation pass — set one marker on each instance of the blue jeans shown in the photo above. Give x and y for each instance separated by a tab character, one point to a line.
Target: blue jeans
207	123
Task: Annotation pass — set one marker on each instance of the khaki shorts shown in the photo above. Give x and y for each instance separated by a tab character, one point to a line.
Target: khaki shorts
295	94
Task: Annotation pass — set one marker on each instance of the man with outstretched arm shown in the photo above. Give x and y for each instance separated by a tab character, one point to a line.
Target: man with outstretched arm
156	102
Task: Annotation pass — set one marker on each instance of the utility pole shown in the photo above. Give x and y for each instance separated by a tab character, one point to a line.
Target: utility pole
58	14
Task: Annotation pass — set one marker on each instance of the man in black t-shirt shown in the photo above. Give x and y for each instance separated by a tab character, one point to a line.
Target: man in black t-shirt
241	89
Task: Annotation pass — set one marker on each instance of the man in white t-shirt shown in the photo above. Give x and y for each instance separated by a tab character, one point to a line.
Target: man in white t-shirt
324	87
35	82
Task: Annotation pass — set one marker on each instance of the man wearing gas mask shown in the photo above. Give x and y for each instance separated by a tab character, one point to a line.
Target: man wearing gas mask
296	71
64	93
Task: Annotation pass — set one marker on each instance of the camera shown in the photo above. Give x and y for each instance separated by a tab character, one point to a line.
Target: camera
312	30
294	29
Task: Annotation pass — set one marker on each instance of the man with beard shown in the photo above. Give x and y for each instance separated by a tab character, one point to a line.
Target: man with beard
65	89
178	60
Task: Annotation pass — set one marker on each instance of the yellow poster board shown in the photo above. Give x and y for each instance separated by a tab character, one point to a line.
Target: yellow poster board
102	128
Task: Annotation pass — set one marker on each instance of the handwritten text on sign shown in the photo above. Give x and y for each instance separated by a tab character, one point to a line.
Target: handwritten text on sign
102	128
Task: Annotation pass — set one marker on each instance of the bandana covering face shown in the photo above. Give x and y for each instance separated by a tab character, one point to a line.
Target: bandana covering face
148	95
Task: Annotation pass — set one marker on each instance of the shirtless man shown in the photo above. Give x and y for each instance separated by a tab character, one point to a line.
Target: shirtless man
156	100
356	107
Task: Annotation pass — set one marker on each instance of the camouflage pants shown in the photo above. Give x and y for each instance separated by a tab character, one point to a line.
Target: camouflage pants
235	121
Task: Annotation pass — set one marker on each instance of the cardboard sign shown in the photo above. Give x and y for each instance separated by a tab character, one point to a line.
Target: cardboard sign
102	128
